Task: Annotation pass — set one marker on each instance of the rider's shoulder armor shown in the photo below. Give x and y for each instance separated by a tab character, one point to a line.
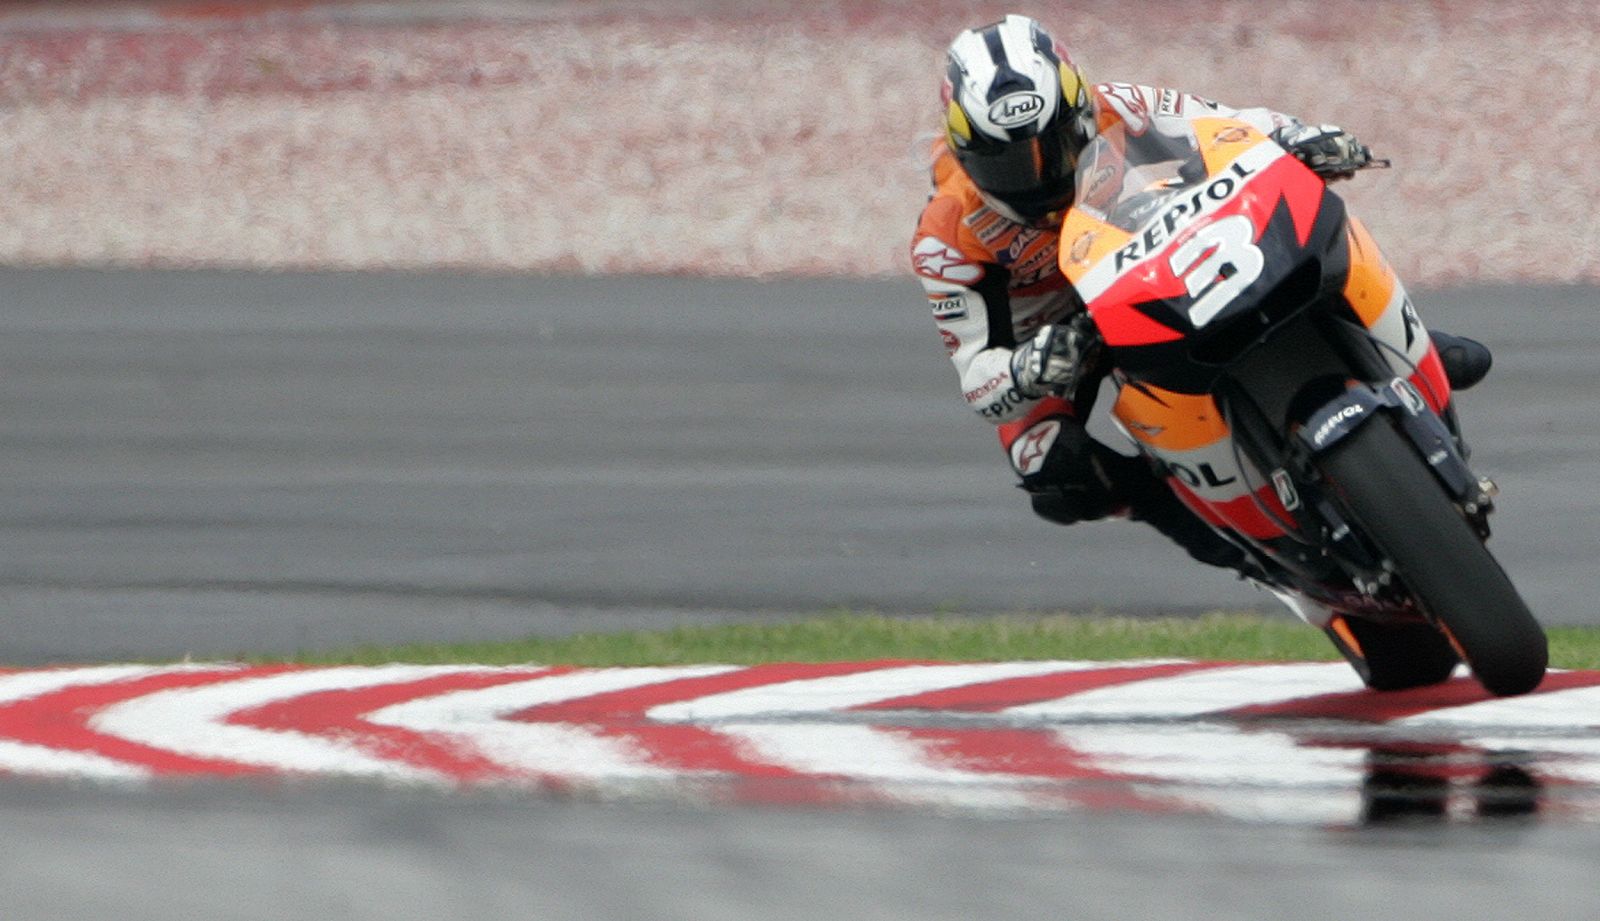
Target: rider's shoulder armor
973	234
945	247
1139	108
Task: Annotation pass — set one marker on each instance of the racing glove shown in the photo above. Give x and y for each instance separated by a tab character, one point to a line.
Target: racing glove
1057	359
1328	150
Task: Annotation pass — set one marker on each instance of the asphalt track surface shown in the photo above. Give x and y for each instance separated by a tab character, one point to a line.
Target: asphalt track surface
204	464
358	853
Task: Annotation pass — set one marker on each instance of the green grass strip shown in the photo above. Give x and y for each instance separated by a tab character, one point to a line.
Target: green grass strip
847	636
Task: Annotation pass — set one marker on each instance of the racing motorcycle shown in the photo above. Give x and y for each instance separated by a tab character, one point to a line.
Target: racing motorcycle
1268	362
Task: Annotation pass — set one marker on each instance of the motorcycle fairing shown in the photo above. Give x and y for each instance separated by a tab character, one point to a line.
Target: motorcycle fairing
1379	302
1203	254
1195	445
1190	252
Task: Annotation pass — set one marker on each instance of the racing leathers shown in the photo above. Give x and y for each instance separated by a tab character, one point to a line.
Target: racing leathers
1001	303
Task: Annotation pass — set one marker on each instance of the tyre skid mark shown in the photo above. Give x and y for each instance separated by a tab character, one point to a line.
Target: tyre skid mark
1297	742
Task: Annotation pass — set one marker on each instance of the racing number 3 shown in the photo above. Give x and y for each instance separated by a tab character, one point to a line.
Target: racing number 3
1218	262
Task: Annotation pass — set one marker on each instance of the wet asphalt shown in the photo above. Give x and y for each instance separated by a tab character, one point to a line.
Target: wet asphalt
212	463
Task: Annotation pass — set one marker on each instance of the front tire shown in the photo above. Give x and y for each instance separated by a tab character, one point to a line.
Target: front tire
1403	508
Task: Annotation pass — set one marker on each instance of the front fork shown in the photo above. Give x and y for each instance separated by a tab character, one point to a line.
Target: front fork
1304	386
1325	549
1434	439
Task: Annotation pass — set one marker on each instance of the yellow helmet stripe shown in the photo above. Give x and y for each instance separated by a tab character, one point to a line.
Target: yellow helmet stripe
1072	89
956	123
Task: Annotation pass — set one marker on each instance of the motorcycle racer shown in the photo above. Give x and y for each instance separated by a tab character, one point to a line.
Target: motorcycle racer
1018	111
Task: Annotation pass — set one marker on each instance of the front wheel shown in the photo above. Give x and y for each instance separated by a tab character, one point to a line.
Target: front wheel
1404	510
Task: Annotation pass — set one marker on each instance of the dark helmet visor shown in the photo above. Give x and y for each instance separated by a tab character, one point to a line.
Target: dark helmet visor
1033	176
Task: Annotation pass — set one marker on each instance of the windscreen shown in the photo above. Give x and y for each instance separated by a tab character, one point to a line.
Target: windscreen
1124	178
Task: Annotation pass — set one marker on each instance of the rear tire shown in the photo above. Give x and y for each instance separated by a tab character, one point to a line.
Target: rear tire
1396	657
1404	509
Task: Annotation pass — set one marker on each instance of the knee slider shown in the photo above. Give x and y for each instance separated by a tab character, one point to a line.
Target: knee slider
1056	461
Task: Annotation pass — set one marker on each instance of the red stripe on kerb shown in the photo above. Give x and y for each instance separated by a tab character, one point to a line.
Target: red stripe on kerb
60	720
1012	752
635	702
224	9
341	714
682	747
1382	707
992	696
695	749
1038	753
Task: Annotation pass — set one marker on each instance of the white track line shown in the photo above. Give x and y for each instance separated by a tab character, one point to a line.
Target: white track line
21	758
1213	754
1573	708
27	685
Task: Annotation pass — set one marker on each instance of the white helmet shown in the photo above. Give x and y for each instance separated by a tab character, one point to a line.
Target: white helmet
1017	116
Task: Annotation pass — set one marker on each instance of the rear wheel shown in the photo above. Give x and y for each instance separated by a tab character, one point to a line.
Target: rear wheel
1394	657
1437	555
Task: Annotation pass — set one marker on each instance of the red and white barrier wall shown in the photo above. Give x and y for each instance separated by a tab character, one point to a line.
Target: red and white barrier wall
711	137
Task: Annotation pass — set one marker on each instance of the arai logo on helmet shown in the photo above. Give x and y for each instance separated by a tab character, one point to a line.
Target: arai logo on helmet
1016	109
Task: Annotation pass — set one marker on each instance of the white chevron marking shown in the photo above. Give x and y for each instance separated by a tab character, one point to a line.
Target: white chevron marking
867	753
476	718
1228	771
26	685
841	692
1198	693
191	721
1549	711
27	758
1566	709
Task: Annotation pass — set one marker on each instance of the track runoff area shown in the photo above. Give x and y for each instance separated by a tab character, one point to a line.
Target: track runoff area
1276	743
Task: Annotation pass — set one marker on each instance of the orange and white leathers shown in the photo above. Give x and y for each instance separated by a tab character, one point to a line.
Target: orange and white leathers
993	282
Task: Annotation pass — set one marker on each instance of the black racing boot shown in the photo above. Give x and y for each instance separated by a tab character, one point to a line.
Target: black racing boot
1466	361
1151	501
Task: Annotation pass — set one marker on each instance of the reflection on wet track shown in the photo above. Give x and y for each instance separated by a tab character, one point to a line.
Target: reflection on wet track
1282	743
1441	783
